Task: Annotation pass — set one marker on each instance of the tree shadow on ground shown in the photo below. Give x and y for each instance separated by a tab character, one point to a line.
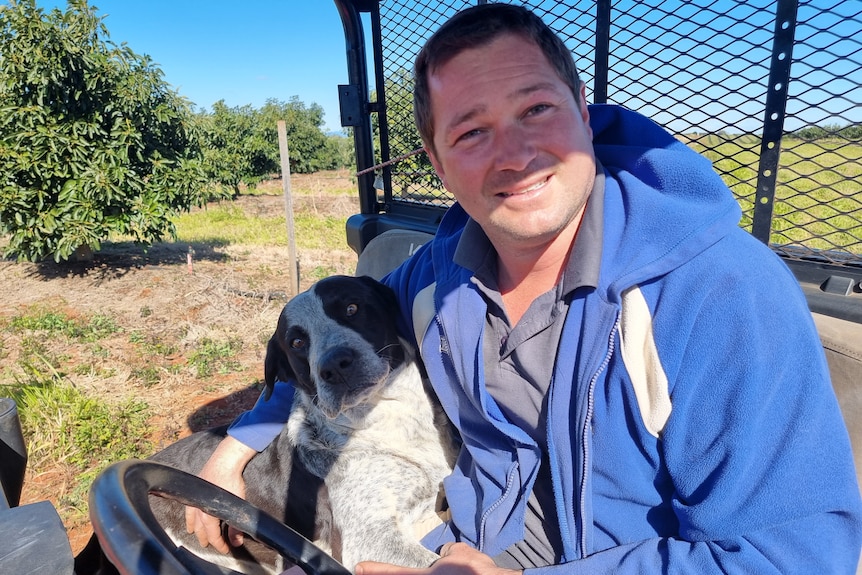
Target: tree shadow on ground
116	259
224	410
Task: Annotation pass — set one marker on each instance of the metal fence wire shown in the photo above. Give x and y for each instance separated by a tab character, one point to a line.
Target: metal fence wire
769	91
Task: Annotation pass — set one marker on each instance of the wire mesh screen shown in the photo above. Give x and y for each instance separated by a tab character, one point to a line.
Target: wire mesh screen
819	196
768	91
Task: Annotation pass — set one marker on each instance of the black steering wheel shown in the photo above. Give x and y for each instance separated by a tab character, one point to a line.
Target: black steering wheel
136	544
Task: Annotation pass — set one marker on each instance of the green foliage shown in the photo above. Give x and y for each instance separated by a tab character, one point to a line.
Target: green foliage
233	152
152	346
92	139
211	356
84	431
95	328
240	144
63	424
148	376
852	132
305	137
38	367
340	152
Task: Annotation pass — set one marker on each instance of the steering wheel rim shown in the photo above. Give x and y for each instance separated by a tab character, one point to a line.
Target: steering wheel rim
134	542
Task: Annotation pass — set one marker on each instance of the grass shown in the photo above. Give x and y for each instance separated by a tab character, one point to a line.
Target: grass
818	198
65	426
226	223
212	356
45	320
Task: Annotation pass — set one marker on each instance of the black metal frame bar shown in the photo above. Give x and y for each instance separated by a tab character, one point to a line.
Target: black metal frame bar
773	118
354	96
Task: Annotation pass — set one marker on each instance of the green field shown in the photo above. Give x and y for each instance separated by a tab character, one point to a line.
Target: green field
818	201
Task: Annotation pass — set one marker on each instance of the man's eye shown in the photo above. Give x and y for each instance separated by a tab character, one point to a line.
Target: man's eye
538	109
468	135
297	343
351	309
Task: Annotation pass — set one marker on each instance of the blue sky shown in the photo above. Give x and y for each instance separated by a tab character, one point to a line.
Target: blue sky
248	51
243	52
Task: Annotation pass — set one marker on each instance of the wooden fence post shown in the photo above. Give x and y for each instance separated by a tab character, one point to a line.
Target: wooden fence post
293	263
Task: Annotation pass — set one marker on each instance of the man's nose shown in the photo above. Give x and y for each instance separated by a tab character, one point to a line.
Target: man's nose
514	148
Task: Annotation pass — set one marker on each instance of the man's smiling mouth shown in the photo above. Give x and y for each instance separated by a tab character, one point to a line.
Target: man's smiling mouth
525	191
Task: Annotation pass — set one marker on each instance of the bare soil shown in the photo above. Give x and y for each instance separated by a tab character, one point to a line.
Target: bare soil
228	293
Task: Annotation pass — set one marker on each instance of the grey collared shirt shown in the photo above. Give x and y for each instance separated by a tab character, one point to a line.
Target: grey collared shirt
518	369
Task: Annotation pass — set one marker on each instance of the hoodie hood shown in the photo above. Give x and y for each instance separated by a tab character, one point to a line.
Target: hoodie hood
664	203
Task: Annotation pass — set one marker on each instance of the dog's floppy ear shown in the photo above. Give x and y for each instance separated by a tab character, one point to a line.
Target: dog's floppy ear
275	365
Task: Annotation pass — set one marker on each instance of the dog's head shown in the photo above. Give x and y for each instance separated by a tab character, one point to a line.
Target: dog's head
337	342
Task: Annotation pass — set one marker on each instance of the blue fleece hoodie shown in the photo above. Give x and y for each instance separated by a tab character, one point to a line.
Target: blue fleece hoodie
692	427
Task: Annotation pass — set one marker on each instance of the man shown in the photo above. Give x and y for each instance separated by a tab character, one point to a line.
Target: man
637	382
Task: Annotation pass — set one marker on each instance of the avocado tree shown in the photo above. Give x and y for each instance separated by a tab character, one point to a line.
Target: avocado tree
233	151
308	144
240	144
93	141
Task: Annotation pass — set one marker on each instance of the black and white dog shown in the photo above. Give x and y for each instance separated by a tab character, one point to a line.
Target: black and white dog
358	468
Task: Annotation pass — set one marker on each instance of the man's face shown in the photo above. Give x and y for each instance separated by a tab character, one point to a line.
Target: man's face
511	143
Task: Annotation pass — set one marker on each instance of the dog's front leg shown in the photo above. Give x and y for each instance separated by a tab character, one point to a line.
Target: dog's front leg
374	504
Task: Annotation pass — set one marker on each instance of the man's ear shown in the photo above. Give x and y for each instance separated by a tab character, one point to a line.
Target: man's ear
438	167
584	109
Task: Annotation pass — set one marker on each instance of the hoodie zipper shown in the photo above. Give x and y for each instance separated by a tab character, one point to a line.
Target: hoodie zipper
586	432
509	480
446	354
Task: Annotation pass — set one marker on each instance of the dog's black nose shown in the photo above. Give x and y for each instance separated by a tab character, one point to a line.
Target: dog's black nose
336	365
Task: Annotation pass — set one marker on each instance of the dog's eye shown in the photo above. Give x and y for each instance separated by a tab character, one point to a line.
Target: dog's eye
297	343
352	308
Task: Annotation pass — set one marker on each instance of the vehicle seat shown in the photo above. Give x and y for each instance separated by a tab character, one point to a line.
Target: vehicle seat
842	341
386	252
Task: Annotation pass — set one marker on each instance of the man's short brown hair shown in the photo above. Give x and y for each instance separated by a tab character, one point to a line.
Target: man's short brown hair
475	27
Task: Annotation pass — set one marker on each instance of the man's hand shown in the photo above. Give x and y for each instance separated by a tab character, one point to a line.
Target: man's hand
224	468
455	559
